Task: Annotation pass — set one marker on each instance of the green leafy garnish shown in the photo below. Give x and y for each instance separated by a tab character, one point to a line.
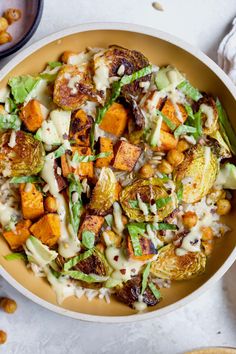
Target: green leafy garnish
54	64
189	110
21	86
75	204
39	253
15	256
26	179
48	77
165	119
226	129
198	124
155	291
189	90
161	202
60	151
88	278
145	277
88	239
10	105
89	158
73	261
136	230
10	121
179	193
109	220
163	226
184	129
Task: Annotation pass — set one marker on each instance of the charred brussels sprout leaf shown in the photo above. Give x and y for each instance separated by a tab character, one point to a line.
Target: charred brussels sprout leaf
104	193
200	168
24	159
147	190
173	267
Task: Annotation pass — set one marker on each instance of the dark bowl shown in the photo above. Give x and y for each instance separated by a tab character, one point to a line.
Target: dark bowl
23	29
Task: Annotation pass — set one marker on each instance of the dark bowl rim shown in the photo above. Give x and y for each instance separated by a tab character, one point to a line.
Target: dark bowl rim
28	34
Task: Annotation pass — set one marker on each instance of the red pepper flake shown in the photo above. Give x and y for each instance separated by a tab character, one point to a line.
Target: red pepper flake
116	258
123	271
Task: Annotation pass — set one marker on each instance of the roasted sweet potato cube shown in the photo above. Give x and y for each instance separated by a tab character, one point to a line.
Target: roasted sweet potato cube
91	223
148	249
105	145
169	111
168	141
125	155
118	190
80	128
16	238
47	229
115	119
84	169
31	115
31	201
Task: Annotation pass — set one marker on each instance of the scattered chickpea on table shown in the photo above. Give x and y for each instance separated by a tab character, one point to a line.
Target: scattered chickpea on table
9	16
9	306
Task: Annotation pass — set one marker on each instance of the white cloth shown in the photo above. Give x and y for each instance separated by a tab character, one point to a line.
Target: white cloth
227	53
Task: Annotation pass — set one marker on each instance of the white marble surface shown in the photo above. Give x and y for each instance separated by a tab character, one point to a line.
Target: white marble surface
209	320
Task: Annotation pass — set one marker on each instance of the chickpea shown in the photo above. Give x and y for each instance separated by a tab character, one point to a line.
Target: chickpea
183	145
175	157
146	171
207	233
208	247
50	204
8	305
3	337
66	55
3	24
165	167
223	206
189	219
12	15
5	37
125	220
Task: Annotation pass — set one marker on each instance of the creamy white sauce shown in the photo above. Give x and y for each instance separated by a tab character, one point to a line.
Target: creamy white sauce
122	263
61	120
140	305
190	139
157	131
6	213
73	81
4	94
48	133
209	112
101	76
41	93
142	206
12	140
44	111
153	237
48	175
117	214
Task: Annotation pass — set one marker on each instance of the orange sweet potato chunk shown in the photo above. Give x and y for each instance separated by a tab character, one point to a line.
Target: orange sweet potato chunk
105	145
84	169
168	141
47	229
91	223
126	155
17	238
170	112
31	115
80	128
115	119
148	249
31	201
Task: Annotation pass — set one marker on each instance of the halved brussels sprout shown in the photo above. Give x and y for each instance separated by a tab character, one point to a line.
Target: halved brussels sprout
150	192
221	148
25	158
170	266
73	87
197	173
208	108
104	193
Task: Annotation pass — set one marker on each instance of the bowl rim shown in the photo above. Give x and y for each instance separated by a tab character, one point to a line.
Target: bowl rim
28	34
223	77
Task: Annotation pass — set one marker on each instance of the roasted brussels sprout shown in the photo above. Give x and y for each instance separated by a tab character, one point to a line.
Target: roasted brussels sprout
104	193
151	191
26	157
209	114
73	87
130	291
197	173
121	61
173	267
95	264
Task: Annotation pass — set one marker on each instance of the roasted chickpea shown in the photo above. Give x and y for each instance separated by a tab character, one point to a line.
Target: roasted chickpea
146	171
223	206
189	219
165	167
12	15
3	337
125	220
8	305
50	204
5	37
3	24
183	145
175	157
207	233
66	55
208	247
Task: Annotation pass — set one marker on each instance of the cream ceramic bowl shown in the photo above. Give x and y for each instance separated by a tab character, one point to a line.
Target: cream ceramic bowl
160	48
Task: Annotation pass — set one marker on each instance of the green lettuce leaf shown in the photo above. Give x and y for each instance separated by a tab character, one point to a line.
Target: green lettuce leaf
189	90
226	128
10	121
21	86
155	291
39	253
165	119
88	239
145	277
73	261
75	206
26	179
15	256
